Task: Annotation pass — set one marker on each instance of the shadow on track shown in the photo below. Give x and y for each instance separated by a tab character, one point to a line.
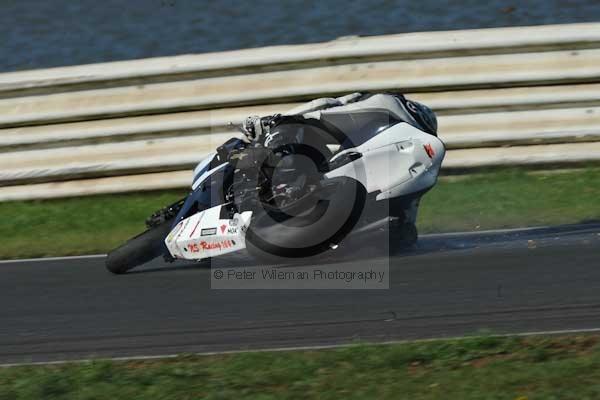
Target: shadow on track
370	247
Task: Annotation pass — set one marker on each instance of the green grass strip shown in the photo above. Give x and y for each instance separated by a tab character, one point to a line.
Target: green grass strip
487	367
498	199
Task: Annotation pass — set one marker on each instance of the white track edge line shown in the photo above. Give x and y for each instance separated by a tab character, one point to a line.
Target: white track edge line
299	348
63	258
428	235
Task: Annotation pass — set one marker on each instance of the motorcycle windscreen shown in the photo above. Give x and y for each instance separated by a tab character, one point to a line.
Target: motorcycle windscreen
208	193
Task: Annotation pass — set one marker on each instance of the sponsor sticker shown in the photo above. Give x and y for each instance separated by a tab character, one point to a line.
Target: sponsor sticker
204	245
429	150
223	227
208	232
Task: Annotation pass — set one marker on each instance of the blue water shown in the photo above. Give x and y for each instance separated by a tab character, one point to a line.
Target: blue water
47	33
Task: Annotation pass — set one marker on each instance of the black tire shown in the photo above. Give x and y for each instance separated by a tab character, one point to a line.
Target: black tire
138	250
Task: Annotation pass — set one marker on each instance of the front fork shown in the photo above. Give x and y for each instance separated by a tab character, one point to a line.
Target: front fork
164	214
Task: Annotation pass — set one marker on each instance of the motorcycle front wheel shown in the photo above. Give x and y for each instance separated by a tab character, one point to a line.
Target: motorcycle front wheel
138	250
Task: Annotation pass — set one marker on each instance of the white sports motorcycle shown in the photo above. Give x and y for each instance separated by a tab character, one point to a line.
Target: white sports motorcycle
298	184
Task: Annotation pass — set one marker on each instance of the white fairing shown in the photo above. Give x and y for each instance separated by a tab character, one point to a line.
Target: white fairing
397	161
400	160
205	235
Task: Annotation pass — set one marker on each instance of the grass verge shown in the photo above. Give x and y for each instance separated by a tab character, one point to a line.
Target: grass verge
488	367
499	199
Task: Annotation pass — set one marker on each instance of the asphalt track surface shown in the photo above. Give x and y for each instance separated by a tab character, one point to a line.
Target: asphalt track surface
452	285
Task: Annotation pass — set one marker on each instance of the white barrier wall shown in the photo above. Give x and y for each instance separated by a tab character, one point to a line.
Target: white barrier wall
507	96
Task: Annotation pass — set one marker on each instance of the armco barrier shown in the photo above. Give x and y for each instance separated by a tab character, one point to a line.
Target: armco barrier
505	96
